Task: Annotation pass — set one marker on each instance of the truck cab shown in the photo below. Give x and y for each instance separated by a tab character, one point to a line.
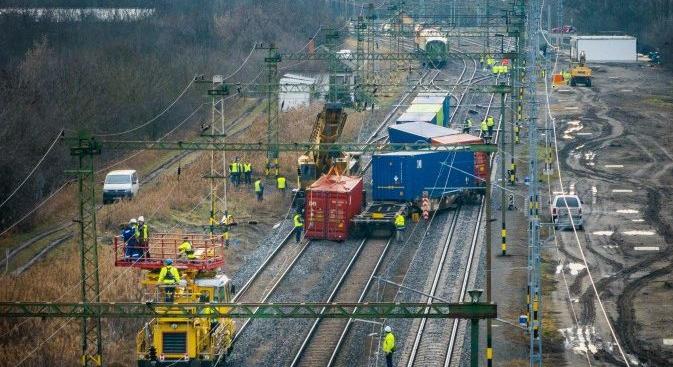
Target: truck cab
119	185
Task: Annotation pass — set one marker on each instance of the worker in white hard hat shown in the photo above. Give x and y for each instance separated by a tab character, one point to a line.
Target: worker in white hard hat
143	237
130	235
388	345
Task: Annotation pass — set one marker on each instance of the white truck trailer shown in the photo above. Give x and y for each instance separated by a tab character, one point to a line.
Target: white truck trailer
604	48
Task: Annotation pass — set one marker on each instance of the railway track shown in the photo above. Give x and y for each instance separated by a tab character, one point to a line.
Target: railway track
353	283
434	340
269	275
319	345
435	73
279	263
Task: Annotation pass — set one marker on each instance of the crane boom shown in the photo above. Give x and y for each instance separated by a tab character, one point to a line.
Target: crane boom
329	125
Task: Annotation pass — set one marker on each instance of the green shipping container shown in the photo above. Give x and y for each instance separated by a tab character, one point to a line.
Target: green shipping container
437	109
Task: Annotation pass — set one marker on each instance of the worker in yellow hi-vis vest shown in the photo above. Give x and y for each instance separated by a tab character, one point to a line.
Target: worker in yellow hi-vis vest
259	189
490	122
388	345
281	184
484	129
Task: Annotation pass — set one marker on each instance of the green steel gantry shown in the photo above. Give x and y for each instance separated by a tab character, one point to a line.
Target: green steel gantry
309	310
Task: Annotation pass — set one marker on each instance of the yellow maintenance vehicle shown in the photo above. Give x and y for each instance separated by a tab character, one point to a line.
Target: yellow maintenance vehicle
580	73
174	339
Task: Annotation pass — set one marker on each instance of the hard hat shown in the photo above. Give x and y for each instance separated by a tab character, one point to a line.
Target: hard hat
133	221
185	237
168	261
141	219
387	329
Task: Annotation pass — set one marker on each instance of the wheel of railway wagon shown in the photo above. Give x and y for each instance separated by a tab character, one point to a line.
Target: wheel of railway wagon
358	231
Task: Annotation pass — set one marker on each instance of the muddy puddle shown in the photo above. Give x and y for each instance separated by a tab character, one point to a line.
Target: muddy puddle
573	268
573	127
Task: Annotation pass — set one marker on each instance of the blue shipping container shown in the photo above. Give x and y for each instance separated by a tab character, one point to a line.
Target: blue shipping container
404	176
426	117
415	132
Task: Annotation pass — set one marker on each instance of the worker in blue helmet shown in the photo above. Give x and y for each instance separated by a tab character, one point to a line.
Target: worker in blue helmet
169	276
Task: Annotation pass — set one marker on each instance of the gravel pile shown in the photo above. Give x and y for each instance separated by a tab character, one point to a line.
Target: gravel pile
274	342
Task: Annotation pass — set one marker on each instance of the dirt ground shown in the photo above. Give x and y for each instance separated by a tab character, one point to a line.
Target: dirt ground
615	153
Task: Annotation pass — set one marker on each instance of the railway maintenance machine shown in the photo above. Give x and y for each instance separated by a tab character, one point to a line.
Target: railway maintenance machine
178	340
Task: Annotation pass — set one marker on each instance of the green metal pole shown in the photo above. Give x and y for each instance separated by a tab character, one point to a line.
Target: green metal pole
474	342
91	342
487	202
503	177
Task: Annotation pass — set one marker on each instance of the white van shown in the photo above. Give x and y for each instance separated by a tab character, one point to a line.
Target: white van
563	208
120	184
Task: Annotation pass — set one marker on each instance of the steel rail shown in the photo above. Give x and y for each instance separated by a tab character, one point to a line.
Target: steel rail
337	288
274	286
433	288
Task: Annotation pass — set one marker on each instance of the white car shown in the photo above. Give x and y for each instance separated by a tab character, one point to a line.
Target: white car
563	208
119	185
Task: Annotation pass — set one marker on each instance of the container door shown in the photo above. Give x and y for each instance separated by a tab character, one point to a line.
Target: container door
337	215
480	167
388	178
315	215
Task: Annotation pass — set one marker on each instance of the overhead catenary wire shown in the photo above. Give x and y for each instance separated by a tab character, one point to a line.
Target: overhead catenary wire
53	143
558	253
38	206
153	118
33	351
108	285
69	288
243	64
577	239
123	273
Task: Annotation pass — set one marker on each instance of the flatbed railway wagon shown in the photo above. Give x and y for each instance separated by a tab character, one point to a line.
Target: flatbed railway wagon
408	181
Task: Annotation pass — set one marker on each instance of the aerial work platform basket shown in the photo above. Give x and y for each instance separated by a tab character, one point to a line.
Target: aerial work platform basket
208	252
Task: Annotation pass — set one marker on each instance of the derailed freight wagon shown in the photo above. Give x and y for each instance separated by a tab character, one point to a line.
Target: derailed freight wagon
437	109
417	132
425	117
331	202
403	181
435	98
480	158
